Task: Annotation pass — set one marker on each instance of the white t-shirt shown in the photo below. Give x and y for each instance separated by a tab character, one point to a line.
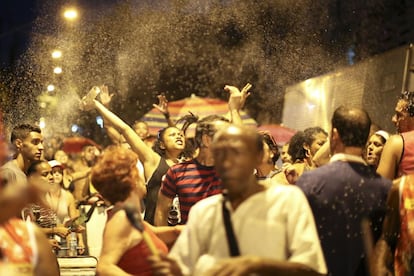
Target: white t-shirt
276	223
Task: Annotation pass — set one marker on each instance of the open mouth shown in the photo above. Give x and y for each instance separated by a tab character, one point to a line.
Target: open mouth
179	142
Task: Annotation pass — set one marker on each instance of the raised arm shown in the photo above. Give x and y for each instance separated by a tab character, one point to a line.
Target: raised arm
147	156
390	157
236	101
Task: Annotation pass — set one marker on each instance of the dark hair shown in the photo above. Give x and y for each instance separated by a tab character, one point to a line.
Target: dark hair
33	166
187	120
353	126
408	96
296	150
311	132
112	174
160	141
270	141
22	132
206	126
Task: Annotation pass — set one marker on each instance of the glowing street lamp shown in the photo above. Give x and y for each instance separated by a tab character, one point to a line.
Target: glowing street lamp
57	70
56	54
50	88
70	14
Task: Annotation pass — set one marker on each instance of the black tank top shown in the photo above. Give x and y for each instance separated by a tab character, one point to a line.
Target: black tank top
153	186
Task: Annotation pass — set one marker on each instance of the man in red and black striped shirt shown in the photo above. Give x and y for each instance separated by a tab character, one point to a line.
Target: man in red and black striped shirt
192	180
196	179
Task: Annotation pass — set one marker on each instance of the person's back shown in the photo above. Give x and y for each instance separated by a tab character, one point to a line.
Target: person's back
345	192
342	194
134	259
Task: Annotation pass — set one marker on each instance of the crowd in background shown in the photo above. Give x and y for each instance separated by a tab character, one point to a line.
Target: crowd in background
228	201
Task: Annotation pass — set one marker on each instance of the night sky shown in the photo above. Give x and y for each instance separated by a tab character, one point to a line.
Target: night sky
16	23
386	23
271	43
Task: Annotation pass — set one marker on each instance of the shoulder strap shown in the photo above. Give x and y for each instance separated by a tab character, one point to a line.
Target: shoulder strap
231	238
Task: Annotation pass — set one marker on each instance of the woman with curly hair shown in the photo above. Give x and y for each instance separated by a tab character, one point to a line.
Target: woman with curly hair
303	147
124	249
268	169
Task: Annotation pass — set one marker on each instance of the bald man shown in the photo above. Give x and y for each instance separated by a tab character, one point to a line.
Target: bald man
273	227
345	192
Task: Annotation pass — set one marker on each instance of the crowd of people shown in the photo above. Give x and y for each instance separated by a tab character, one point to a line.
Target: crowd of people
228	201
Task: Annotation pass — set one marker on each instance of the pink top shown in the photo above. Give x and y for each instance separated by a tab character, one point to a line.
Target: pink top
407	159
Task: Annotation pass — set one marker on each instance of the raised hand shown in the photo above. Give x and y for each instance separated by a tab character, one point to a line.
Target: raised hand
245	93
87	101
237	98
162	105
104	96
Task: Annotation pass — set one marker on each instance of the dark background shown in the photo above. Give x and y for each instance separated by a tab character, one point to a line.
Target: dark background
142	48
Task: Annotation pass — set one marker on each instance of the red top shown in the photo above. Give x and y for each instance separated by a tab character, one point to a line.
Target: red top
134	260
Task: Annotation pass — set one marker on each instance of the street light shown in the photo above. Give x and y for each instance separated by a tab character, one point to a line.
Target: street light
50	88
57	70
56	54
70	14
